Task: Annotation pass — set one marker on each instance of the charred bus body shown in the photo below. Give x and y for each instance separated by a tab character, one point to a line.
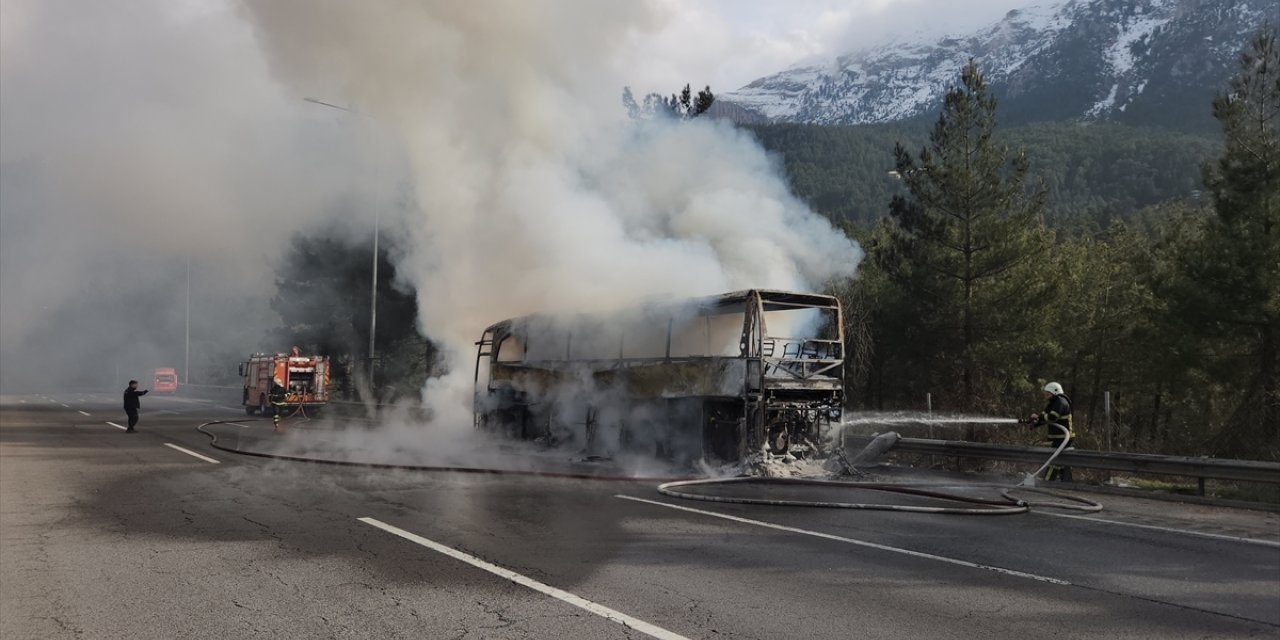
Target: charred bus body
716	378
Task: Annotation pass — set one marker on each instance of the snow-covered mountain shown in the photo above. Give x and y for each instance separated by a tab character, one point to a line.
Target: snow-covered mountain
1148	61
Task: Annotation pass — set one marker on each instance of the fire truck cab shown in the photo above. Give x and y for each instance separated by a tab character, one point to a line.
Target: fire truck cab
165	380
305	379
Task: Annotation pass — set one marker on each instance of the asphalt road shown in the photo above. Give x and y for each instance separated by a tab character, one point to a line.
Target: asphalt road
111	535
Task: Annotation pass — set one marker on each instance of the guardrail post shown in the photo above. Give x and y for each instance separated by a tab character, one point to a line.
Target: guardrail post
1106	416
1200	486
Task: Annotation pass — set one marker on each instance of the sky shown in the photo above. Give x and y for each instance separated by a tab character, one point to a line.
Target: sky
729	43
143	139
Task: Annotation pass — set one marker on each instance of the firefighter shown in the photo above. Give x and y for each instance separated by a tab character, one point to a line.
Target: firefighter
278	397
1056	412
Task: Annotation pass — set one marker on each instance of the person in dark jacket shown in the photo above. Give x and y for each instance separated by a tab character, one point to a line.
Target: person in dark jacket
131	404
1056	418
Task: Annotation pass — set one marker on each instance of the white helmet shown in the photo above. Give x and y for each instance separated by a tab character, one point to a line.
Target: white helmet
1054	388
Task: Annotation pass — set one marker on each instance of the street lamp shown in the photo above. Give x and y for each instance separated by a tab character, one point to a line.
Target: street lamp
186	357
373	304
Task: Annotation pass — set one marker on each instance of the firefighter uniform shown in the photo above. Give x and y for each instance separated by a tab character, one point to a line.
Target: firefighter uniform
279	404
1058	412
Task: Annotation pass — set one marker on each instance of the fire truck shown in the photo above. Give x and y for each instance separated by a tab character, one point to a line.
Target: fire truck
305	379
165	380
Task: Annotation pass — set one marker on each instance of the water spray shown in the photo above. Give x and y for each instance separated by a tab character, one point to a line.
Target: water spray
907	418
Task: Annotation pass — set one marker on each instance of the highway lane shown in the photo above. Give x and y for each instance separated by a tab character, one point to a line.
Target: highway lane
104	534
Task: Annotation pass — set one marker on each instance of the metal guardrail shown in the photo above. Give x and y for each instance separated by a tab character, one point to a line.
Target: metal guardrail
1200	468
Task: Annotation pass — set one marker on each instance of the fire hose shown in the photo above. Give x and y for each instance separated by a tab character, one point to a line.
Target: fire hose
983	506
213	442
1010	504
1030	480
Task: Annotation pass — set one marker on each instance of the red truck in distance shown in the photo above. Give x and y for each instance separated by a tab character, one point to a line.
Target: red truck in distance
165	380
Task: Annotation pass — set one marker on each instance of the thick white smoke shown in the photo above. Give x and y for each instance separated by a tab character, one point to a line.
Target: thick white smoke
535	193
136	138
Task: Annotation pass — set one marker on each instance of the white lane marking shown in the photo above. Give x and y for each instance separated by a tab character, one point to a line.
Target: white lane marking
861	543
168	411
23	401
235	409
65	405
242	426
118	426
1218	536
192	453
83	413
582	603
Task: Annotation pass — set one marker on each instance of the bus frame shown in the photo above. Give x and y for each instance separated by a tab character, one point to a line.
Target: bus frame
777	394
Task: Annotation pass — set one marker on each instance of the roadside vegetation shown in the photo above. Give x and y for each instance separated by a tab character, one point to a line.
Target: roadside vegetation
981	284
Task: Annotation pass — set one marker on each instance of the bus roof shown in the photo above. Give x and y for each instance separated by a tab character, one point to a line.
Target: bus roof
725	303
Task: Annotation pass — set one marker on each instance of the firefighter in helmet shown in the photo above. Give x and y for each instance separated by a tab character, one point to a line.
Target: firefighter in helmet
278	399
1056	418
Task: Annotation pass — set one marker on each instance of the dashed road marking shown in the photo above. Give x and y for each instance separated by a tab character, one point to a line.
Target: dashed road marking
118	426
192	453
861	543
83	413
564	596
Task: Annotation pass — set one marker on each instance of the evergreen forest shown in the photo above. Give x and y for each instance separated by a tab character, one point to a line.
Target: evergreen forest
1140	263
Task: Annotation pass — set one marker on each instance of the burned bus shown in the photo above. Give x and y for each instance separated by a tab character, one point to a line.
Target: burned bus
717	378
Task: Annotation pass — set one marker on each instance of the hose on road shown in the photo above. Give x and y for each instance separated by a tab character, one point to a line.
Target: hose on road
213	442
1009	505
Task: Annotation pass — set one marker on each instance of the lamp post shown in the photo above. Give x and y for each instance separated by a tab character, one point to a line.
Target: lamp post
373	304
186	357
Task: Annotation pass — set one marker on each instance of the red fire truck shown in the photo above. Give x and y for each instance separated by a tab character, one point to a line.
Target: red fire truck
305	379
165	380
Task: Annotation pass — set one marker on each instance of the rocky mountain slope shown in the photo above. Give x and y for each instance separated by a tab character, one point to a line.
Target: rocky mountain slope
1139	61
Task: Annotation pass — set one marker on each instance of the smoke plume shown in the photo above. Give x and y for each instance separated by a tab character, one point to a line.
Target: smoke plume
534	193
139	138
146	137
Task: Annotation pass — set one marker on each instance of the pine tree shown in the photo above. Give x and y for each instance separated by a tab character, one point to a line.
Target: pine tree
686	105
680	106
1230	290
318	269
968	250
